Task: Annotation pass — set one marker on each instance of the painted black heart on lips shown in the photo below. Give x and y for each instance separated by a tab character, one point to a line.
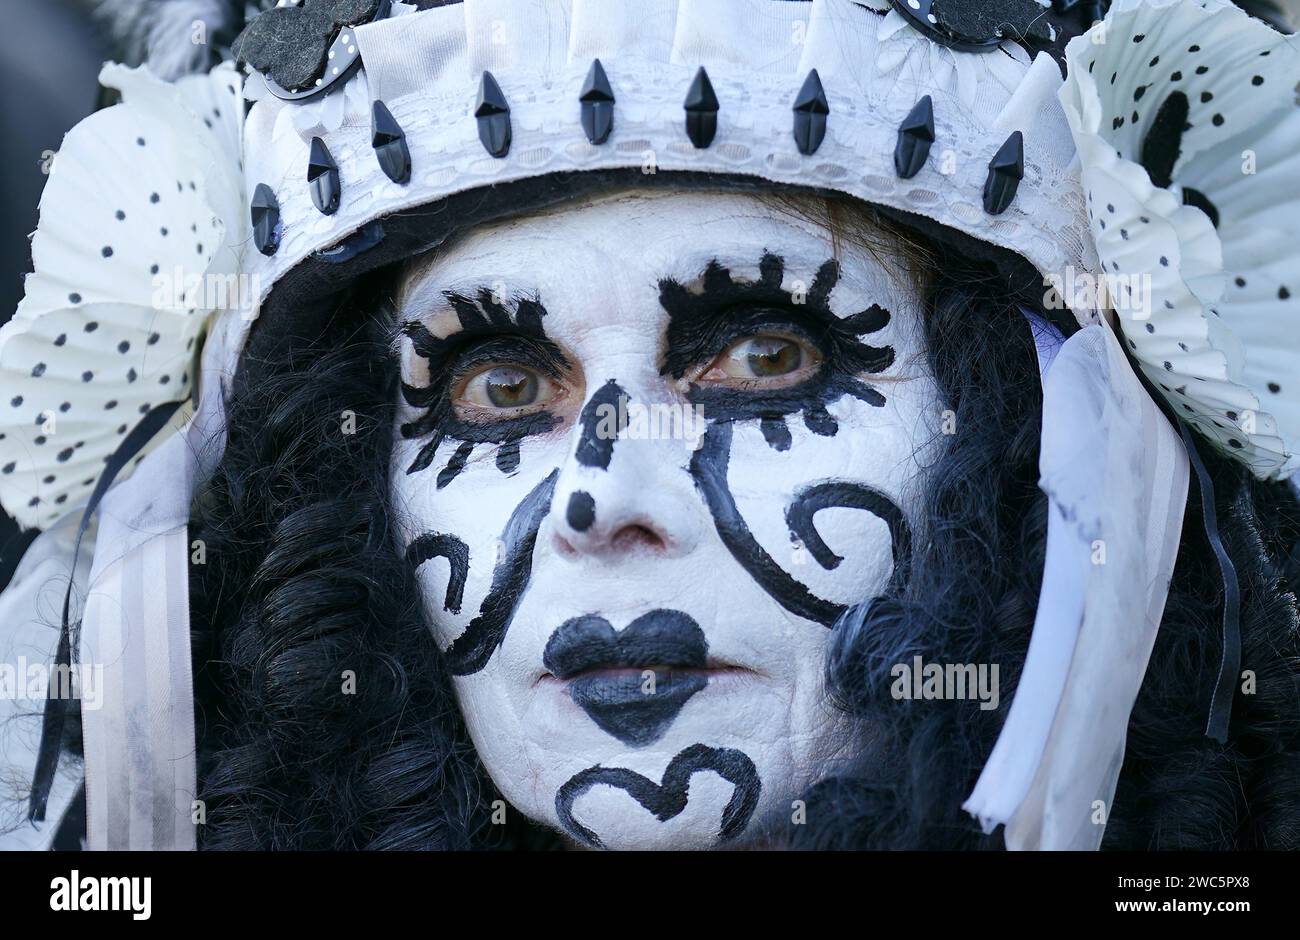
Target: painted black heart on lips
620	704
290	43
665	800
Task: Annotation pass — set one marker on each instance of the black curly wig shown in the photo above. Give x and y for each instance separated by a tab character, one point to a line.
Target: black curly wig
304	594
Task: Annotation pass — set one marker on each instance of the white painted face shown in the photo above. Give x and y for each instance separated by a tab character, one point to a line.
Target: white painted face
638	624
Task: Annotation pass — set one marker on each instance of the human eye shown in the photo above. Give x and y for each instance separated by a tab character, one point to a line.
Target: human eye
503	390
763	360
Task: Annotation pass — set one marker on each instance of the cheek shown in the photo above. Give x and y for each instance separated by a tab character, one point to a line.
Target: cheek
459	533
834	510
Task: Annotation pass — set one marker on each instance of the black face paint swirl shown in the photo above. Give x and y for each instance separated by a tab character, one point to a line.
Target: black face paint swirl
596	444
665	642
813	499
488	333
439	545
473	648
702	324
665	800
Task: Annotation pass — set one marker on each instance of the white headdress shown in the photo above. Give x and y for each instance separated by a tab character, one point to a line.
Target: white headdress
1128	176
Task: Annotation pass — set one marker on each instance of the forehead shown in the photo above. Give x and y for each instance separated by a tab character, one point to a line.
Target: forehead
619	247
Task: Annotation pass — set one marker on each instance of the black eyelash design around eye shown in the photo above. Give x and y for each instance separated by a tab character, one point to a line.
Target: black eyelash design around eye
701	324
488	332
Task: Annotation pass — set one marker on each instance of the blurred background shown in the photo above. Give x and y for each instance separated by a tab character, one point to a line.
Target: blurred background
48	66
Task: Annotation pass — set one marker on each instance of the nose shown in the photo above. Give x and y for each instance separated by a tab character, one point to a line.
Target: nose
624	488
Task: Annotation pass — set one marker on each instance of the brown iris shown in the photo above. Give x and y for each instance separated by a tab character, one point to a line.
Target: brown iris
509	387
771	355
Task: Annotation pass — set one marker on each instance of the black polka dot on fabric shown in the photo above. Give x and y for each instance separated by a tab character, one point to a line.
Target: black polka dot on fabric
1202	69
1176	77
39	440
1206	97
139	141
110	404
65	407
64	455
123	346
1169	366
48	478
1164	262
163	231
154	197
163	380
9	467
1194	48
1151	328
144	409
131	375
74	297
38	370
1257	80
60	339
1240	281
1274	387
1283	293
91	327
119	215
61	498
1217	120
153	338
107	251
16	401
1154	62
87	376
153	269
1139	37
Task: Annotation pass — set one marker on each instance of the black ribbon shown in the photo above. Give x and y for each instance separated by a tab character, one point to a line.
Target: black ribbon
1230	665
56	709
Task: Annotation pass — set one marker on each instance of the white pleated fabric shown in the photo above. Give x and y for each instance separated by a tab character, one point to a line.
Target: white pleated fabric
1115	473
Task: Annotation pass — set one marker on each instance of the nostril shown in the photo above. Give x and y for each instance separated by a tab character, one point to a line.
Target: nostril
563	546
635	536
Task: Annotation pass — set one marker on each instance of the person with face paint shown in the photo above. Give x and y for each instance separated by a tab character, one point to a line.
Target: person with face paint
604	425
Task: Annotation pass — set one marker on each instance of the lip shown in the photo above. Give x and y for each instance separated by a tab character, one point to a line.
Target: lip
622	672
637	705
